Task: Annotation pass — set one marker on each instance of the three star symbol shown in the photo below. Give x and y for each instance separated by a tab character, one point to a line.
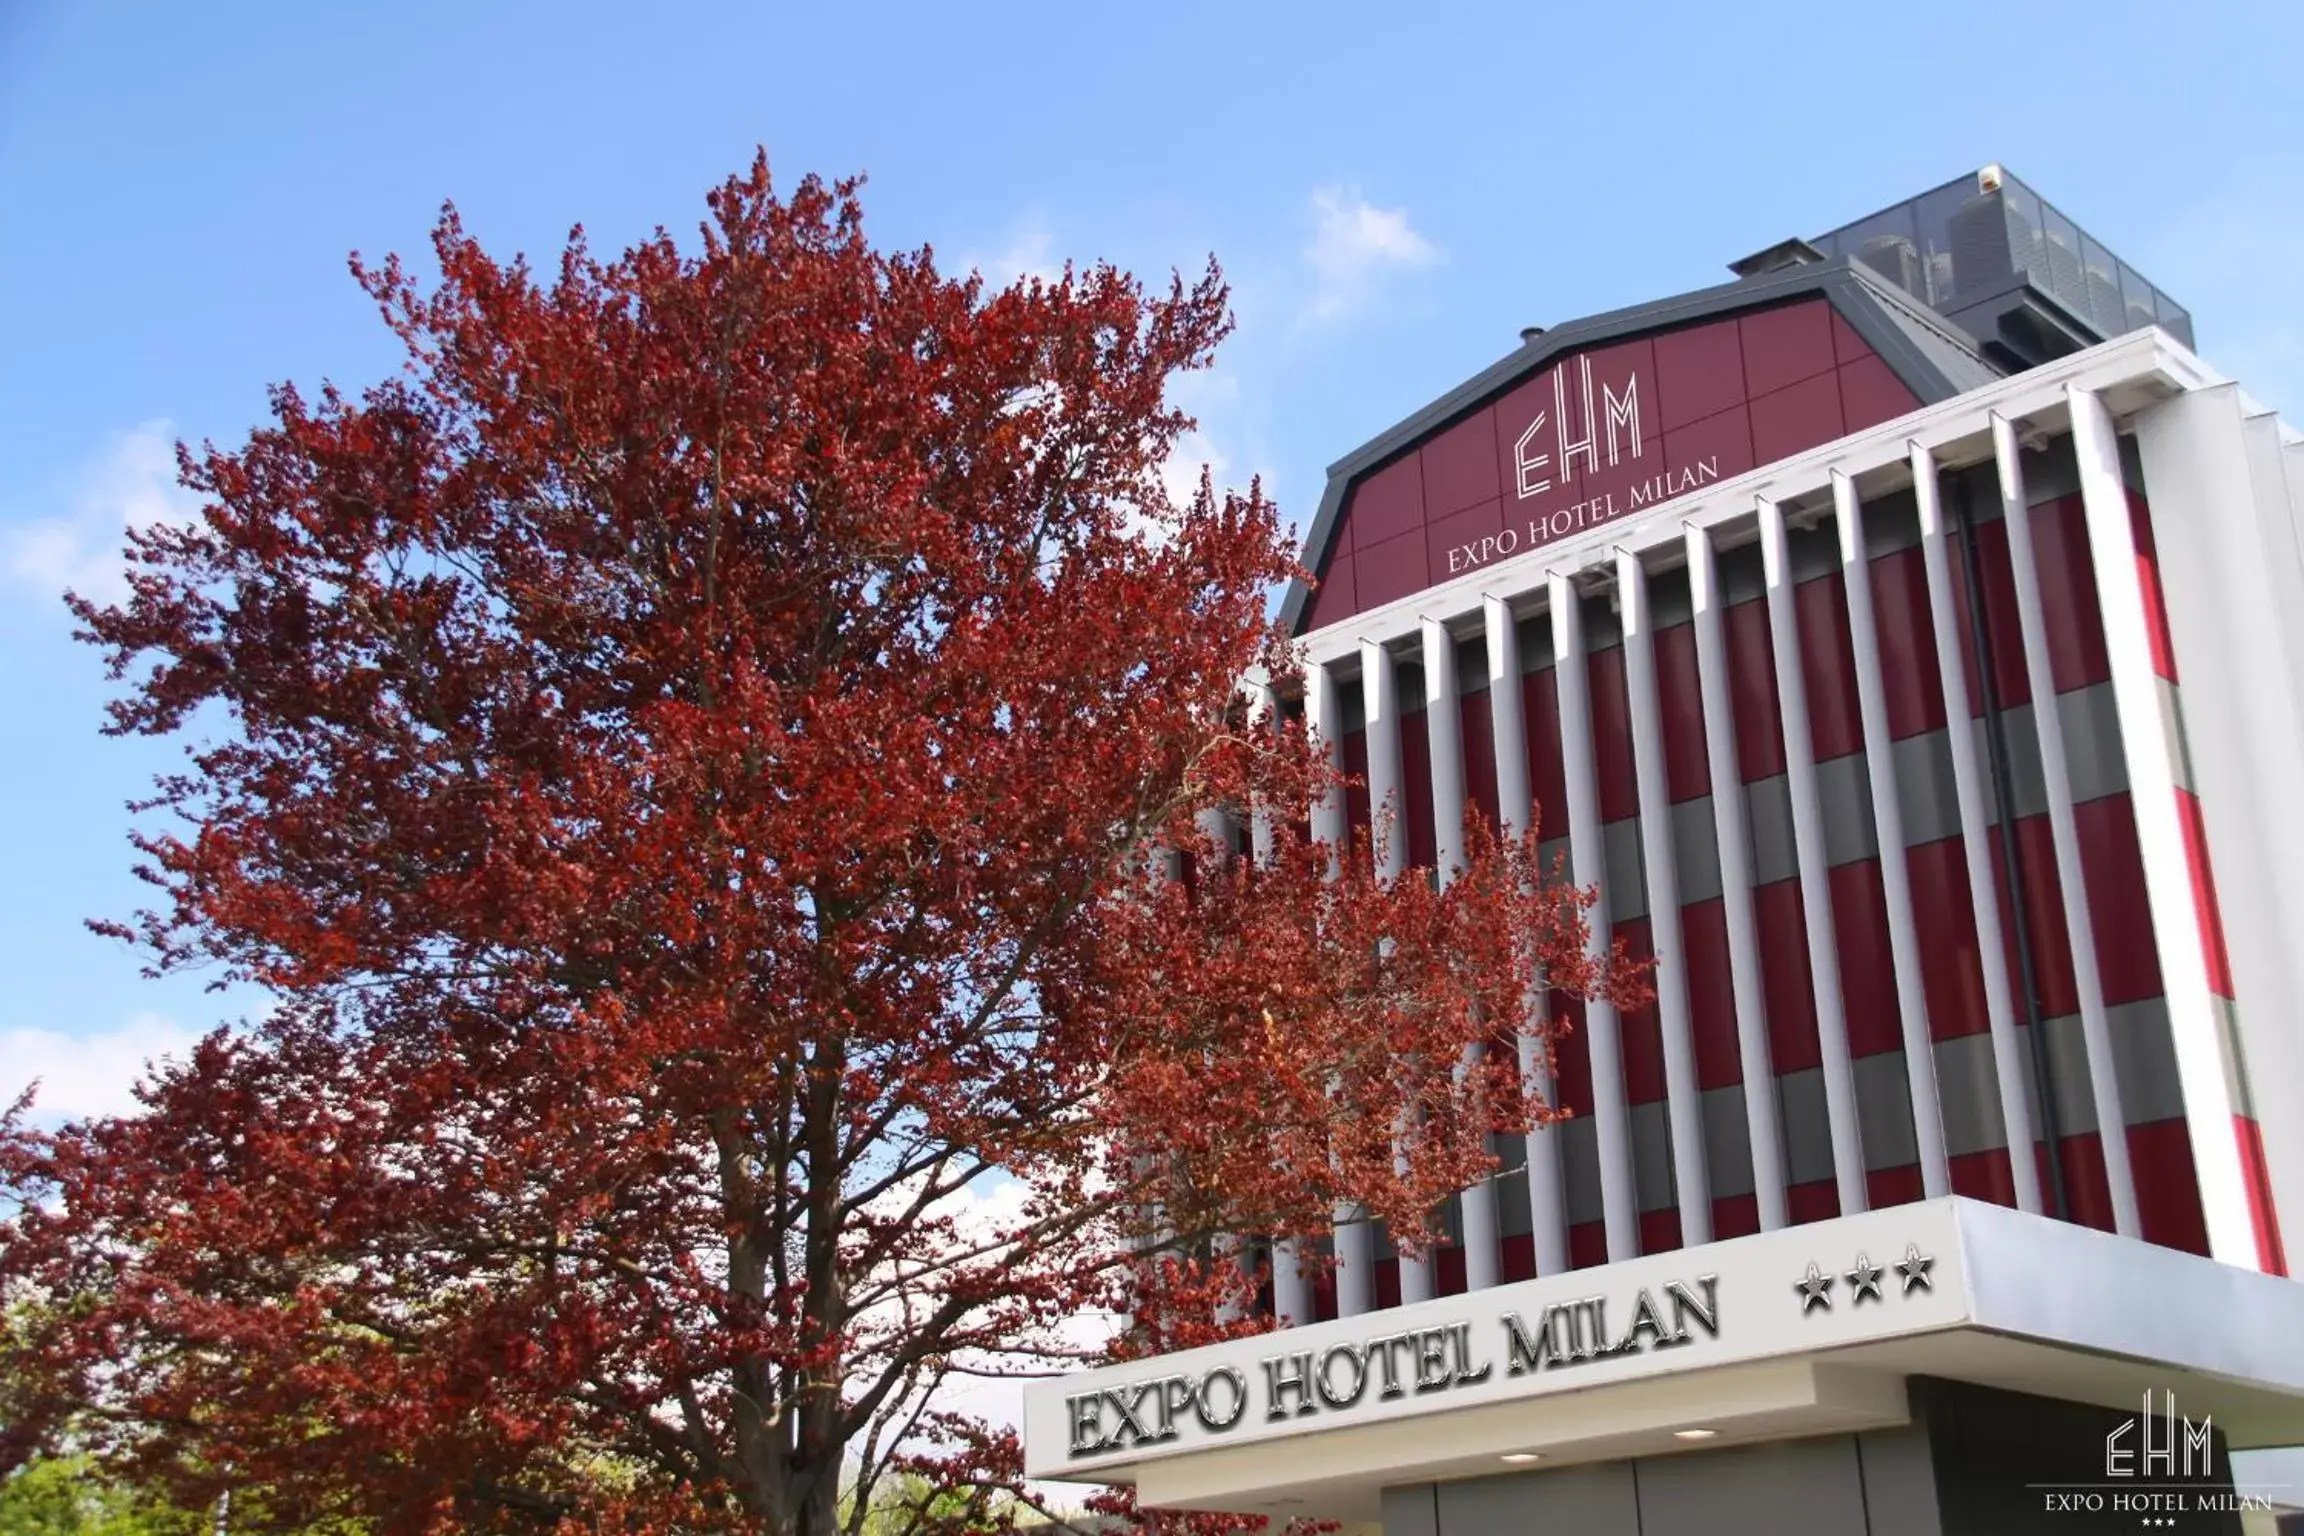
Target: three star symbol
1864	1280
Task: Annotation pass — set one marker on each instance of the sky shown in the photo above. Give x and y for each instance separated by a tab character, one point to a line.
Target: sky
1394	192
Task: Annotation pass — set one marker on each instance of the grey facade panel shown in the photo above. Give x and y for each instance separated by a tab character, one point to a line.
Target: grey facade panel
1814	1487
1598	1500
1412	1511
1696	850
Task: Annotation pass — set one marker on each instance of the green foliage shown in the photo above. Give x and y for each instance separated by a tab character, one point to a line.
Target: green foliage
908	1504
67	1496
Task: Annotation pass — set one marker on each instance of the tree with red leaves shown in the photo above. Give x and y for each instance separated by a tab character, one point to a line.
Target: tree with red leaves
712	765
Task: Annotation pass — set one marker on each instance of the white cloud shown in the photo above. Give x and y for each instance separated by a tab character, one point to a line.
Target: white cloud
1354	246
1207	398
130	483
87	1076
1026	257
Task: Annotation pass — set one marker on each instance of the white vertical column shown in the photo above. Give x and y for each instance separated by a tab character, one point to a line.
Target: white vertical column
1355	1242
2192	1011
1444	736
1380	708
2063	828
1815	880
1763	1123
1443	733
2232	589
1215	829
1388	801
1611	1124
1291	1287
1683	1095
1324	718
1975	837
1888	822
1508	726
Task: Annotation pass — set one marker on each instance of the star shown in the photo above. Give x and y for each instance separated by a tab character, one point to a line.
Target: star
1815	1289
1915	1269
1863	1280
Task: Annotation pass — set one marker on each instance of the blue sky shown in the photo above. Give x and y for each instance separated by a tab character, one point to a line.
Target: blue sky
1394	191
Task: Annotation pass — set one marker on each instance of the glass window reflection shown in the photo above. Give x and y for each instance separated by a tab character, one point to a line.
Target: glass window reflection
2101	275
1889	244
1963	239
2137	299
2060	257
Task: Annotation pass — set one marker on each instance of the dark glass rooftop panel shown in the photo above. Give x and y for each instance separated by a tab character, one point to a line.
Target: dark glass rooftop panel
1984	234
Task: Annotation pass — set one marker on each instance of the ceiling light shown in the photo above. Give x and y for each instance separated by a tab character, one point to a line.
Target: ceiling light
1694	1434
1522	1458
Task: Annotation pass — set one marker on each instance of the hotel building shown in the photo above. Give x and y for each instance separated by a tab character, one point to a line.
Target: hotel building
1906	641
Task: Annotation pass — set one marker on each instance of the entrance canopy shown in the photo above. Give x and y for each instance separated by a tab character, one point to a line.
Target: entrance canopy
1802	1331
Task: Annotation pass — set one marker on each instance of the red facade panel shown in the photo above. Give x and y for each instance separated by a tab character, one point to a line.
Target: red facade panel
2070	621
2270	1254
1612	736
1477	730
1699	373
2070	615
1600	435
1867	970
1446	539
1571	1055
1752	691
1390	569
1985	1175
1816	1200
1416	791
1354	751
2204	905
2044	913
1828	667
1944	922
1735	1216
1711	997
1800	416
1893	1186
1870	393
1784	346
1547	784
1641	1028
2127	958
1721	442
2167	1189
1680	712
1460	466
1783	942
1587	1245
2155	602
1335	598
1387	504
1911	686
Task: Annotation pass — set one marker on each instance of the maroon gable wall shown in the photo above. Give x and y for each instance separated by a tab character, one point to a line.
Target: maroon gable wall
1713	401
